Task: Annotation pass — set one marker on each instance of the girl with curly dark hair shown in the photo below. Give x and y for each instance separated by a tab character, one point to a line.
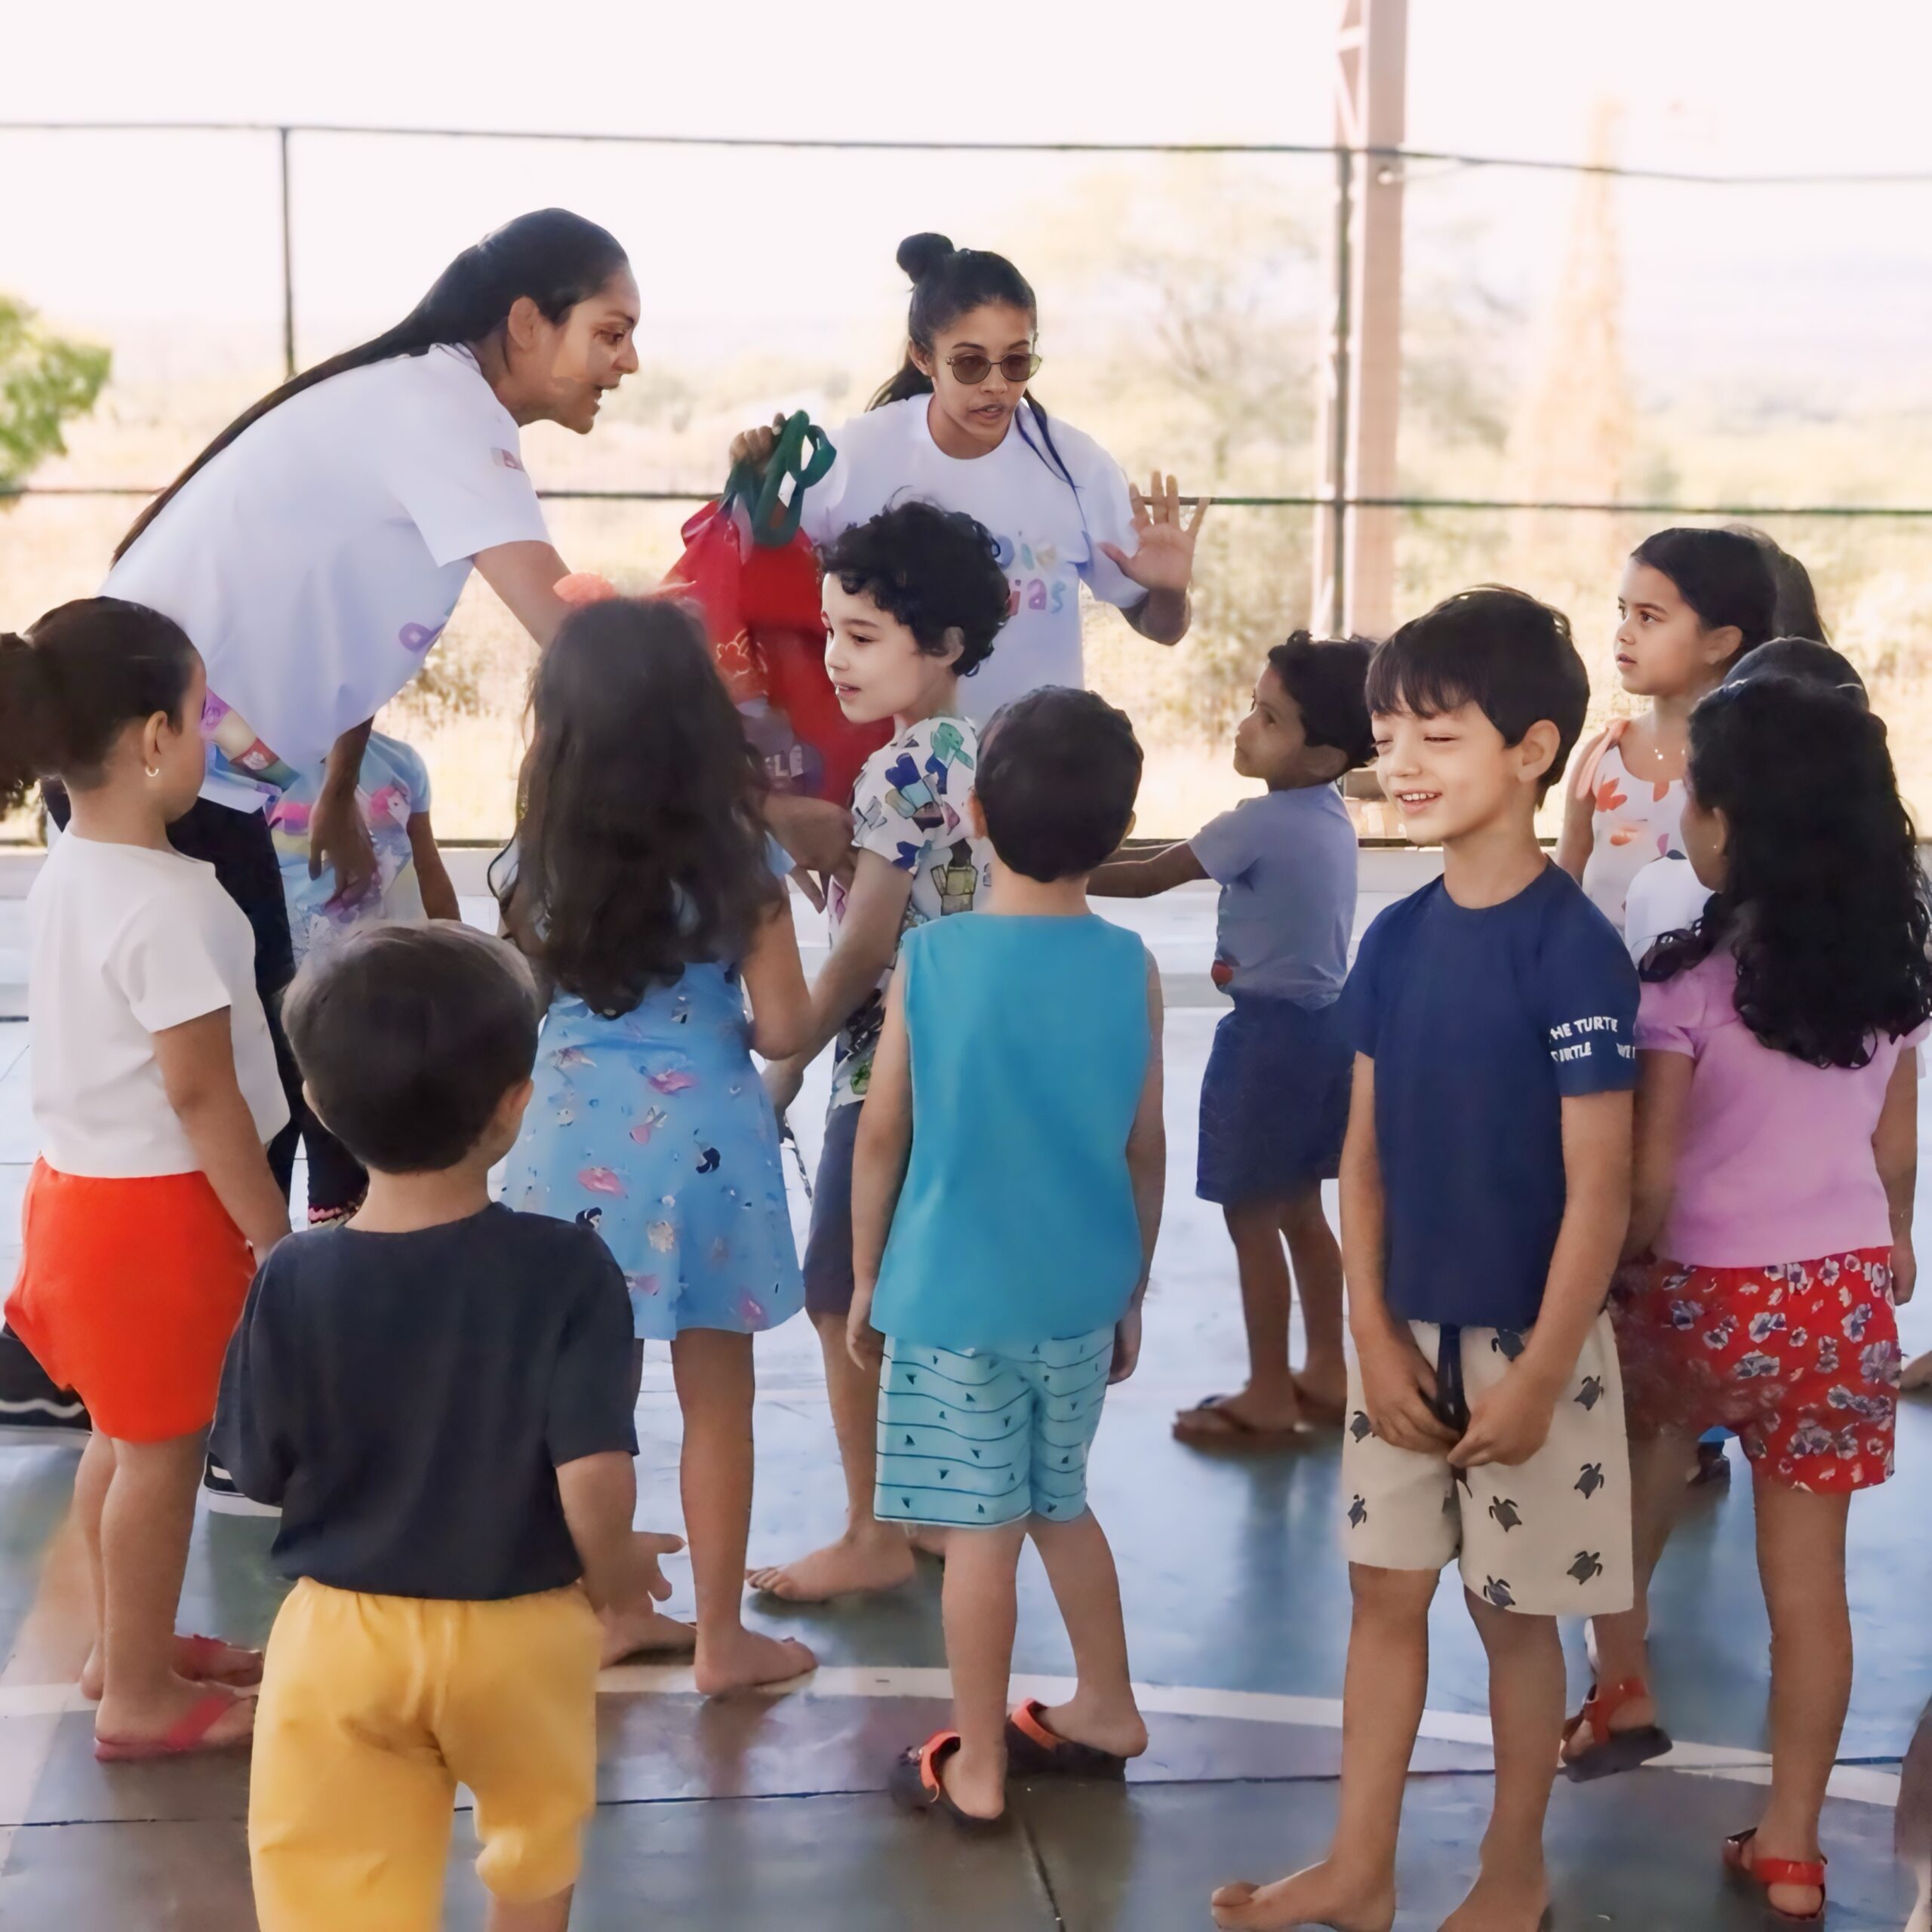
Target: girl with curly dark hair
645	895
1777	1148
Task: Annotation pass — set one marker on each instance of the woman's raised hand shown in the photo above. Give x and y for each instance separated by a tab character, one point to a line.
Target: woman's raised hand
1164	560
755	446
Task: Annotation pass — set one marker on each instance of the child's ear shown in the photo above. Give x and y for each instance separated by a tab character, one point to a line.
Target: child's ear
1722	646
510	1108
1329	763
976	815
953	643
1536	752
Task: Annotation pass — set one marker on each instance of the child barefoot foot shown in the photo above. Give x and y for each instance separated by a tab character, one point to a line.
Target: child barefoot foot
1512	1895
878	1558
643	1633
1324	1894
742	1659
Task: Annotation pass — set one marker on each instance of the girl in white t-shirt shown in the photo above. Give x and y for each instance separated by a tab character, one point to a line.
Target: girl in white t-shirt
155	1091
959	425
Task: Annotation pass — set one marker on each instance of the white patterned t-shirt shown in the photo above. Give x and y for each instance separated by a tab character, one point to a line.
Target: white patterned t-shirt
909	805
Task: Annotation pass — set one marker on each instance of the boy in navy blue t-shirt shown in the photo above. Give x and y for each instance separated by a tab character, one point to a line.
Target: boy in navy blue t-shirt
1485	1191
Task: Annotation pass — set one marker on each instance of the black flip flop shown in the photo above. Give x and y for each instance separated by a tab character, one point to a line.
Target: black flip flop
1238	1433
916	1785
1035	1749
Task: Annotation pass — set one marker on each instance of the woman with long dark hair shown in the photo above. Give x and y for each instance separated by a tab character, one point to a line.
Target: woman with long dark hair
959	424
314	550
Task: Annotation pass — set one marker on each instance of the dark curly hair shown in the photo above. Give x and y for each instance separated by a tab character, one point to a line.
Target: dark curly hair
640	843
935	571
1824	903
1328	683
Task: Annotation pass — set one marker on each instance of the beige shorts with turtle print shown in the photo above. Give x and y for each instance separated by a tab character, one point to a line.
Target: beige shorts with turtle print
1549	1537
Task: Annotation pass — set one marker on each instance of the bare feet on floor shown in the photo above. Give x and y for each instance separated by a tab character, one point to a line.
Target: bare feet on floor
1514	1897
1323	1894
647	1633
146	1721
880	1558
742	1659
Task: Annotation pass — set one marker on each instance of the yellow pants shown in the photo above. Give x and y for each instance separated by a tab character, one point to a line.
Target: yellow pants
373	1709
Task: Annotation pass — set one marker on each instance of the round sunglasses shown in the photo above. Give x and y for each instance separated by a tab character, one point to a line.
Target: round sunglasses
971	367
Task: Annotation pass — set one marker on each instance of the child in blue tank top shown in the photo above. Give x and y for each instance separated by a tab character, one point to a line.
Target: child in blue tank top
1006	1194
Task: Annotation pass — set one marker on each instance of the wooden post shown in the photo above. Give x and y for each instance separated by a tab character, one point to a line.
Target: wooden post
1354	549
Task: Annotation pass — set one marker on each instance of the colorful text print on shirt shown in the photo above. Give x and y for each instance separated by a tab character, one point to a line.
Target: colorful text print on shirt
234	737
416	638
1034	574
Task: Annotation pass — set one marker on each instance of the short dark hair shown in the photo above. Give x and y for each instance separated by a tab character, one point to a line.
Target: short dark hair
409	1037
1059	772
1328	681
1498	649
935	570
1805	659
1724	575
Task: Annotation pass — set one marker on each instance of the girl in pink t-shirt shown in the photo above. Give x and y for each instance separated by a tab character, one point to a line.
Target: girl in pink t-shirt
1776	1146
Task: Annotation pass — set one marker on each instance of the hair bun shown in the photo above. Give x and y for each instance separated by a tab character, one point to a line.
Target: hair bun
920	254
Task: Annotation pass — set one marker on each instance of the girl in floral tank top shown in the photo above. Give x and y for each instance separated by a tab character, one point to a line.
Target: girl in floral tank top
1691	603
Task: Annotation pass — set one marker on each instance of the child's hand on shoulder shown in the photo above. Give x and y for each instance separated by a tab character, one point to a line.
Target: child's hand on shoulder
1127	1346
1508	1423
1398	1386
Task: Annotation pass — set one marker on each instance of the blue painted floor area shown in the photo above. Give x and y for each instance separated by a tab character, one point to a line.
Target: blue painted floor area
750	1813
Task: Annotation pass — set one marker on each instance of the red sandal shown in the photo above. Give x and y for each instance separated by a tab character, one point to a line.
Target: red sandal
189	1736
209	1660
1613	1751
1743	1863
916	1785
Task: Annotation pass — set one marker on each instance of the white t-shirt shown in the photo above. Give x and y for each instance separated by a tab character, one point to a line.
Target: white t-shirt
1666	896
1049	531
125	942
318	557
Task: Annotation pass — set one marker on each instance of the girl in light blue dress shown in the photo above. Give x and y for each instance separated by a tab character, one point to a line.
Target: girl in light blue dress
643	895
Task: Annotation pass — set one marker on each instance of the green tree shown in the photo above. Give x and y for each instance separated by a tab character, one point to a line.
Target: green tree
45	381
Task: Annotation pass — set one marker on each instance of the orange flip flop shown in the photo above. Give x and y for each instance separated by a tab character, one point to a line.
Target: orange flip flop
200	1660
916	1786
1035	1749
189	1735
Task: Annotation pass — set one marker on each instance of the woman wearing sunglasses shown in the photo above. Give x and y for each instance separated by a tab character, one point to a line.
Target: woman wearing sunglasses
957	425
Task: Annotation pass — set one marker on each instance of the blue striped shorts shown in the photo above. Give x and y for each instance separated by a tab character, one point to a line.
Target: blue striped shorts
974	1441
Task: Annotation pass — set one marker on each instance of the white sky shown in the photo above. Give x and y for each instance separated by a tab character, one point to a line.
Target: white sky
180	228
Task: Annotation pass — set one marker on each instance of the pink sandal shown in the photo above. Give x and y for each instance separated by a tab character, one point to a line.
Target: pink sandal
199	1659
188	1736
1742	1863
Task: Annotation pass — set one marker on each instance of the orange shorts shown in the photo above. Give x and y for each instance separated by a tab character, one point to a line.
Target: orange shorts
127	1293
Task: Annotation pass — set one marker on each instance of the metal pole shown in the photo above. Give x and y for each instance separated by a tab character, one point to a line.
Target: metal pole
287	262
1338	440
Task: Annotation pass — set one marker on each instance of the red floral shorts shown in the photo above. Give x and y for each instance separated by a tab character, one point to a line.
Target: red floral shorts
1801	1358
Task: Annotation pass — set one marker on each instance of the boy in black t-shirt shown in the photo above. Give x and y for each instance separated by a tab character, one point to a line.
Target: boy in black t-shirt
1485	1193
438	1395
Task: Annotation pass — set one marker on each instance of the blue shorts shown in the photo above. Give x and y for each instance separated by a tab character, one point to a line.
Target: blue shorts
975	1441
1274	1100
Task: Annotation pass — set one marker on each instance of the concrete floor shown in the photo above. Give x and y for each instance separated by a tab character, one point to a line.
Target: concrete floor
755	1812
